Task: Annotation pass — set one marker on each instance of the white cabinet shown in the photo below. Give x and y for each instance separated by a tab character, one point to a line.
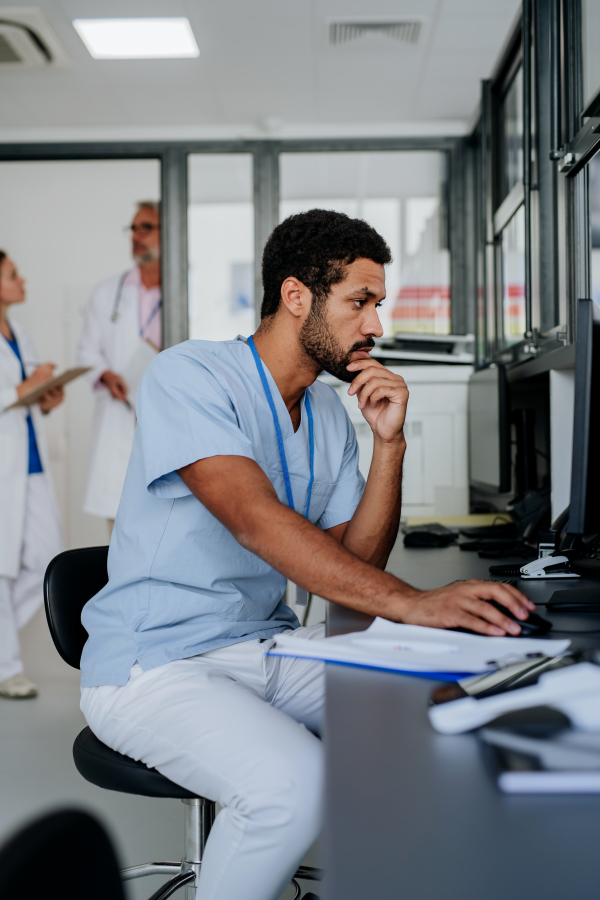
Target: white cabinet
436	465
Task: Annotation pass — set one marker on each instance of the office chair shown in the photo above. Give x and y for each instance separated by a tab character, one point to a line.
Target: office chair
74	841
73	578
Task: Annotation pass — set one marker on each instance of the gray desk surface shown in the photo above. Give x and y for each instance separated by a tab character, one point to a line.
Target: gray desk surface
414	815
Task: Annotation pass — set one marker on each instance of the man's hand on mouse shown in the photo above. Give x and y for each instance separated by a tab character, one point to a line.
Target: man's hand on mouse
462	605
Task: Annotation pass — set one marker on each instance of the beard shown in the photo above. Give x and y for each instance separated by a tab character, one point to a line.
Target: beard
320	343
149	255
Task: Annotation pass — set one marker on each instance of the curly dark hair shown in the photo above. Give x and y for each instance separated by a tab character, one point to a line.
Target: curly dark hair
315	247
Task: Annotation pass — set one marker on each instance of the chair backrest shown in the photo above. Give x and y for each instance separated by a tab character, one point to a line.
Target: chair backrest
70	851
72	578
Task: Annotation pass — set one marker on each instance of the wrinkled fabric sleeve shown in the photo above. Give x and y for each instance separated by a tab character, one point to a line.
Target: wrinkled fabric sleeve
8	396
184	414
349	486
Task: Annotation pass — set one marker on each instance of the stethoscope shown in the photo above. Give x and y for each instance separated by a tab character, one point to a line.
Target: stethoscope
115	310
114	317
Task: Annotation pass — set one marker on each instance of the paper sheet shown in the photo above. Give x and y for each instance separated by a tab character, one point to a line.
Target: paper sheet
136	367
419	650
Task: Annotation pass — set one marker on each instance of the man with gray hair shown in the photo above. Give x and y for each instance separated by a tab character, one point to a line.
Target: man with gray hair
121	335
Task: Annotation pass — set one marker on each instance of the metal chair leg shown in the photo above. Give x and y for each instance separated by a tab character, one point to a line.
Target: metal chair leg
173	885
199	819
309	874
153	868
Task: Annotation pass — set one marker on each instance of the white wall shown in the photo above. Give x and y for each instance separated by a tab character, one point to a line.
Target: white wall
62	223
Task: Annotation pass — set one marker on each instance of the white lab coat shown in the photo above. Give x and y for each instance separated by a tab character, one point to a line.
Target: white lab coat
116	346
14	451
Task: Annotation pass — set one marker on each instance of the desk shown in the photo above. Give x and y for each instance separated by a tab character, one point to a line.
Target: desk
414	815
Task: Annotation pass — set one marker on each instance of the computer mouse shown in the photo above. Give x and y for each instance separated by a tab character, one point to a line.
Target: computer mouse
532	626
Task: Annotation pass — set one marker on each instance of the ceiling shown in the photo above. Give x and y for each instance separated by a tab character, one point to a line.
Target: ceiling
266	69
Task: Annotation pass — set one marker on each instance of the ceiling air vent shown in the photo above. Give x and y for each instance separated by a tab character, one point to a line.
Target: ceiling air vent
8	54
27	40
405	31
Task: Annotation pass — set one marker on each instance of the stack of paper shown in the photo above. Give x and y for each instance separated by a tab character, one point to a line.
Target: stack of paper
415	650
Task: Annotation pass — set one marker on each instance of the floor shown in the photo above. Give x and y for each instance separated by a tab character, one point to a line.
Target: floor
37	771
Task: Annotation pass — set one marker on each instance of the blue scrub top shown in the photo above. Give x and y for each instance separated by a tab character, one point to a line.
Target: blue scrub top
179	582
35	462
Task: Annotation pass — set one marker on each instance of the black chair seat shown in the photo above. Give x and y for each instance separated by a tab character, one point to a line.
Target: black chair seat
111	770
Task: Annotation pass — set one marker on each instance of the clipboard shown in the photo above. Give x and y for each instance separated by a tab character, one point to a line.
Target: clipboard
36	393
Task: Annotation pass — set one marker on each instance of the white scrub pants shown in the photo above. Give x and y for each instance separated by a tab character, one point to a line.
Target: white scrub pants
22	596
235	726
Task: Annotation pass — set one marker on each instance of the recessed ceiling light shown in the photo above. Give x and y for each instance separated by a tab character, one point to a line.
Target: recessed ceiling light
165	38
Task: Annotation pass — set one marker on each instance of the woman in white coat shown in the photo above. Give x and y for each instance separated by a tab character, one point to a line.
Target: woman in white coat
30	531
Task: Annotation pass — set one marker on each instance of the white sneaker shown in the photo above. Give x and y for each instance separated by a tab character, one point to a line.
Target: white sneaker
18	687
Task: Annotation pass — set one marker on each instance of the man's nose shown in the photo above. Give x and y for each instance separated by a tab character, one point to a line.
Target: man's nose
372	324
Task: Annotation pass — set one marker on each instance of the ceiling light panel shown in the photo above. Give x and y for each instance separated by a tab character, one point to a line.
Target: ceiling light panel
164	38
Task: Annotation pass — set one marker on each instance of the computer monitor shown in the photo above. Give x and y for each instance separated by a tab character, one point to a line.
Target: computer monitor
489	431
584	510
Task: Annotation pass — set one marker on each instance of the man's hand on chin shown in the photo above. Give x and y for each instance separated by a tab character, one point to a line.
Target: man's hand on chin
382	399
461	605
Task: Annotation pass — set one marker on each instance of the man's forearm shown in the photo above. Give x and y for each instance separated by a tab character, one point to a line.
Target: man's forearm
317	562
288	542
238	493
372	531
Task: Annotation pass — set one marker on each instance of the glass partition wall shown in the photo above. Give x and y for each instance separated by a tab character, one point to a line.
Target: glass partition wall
402	195
220	245
494	233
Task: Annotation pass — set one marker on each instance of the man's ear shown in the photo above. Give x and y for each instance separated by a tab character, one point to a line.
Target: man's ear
296	297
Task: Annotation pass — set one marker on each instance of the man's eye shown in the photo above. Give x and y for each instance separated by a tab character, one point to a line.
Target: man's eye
359	303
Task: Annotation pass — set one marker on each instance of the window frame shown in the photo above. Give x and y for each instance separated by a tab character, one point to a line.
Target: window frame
554	189
173	159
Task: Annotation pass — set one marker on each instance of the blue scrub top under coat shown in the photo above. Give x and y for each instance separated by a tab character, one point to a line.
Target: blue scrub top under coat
179	582
35	462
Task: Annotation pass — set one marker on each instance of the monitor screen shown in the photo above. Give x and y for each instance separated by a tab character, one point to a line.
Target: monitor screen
489	434
584	510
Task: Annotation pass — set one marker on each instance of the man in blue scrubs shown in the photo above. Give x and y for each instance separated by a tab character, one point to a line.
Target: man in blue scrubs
244	473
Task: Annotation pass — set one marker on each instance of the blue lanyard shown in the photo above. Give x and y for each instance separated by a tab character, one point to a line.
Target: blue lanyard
311	437
151	316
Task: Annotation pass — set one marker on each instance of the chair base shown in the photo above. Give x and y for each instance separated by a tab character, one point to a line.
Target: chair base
199	818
